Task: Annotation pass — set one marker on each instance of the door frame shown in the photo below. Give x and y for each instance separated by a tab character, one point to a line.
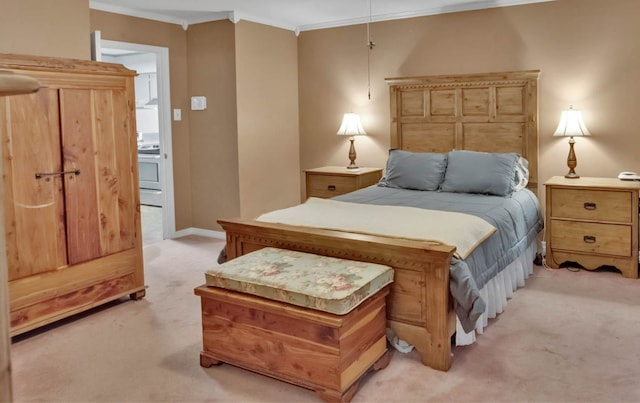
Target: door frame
164	122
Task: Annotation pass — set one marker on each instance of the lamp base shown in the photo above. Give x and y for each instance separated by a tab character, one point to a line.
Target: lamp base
352	155
572	161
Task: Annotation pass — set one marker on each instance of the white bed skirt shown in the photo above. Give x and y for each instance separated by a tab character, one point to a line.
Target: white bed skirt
497	292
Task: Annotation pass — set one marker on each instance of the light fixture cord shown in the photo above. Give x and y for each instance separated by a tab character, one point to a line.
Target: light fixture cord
370	46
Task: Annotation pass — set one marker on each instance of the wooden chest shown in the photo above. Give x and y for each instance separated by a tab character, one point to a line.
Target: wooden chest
317	350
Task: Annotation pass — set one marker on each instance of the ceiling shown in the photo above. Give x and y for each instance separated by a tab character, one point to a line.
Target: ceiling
295	15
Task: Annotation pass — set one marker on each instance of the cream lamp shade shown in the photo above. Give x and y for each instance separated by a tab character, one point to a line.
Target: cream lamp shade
571	125
351	126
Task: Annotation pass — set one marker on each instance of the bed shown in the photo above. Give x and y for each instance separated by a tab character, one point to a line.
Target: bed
488	113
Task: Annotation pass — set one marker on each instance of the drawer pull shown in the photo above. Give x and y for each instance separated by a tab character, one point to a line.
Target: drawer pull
46	174
331	188
589	206
589	239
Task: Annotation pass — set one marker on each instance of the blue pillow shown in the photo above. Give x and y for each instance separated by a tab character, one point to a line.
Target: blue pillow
417	171
478	172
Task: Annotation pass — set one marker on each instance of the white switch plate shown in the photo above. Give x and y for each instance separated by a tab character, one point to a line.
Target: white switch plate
198	103
177	114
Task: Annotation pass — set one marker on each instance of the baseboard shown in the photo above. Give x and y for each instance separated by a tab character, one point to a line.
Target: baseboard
199	231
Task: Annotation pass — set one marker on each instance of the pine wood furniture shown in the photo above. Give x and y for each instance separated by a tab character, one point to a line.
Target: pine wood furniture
333	181
483	112
273	312
326	353
71	203
593	222
10	84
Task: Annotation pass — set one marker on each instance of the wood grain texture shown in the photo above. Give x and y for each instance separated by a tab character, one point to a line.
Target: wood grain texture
421	274
313	349
605	205
45	64
73	241
10	84
495	112
491	112
35	234
64	305
593	222
80	191
333	181
43	286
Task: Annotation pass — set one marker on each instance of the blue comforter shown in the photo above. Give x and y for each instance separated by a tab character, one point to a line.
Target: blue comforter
517	219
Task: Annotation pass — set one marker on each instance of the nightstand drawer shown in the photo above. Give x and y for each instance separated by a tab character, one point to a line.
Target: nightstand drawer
606	239
329	186
593	205
334	181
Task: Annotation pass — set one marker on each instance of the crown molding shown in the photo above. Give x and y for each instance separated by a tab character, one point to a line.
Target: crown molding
97	5
210	16
259	20
420	13
235	16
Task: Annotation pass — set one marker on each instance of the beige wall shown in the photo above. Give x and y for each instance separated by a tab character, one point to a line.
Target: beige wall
213	155
45	28
587	50
268	135
116	27
244	146
248	72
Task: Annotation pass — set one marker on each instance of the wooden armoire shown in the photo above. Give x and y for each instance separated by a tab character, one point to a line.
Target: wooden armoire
70	189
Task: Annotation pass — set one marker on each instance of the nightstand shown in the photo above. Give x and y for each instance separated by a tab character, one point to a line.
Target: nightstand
592	222
332	181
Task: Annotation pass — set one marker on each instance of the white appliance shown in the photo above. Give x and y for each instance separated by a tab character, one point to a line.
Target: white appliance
149	171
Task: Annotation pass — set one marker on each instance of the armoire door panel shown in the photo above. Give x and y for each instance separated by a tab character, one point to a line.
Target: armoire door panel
33	208
99	201
80	192
114	167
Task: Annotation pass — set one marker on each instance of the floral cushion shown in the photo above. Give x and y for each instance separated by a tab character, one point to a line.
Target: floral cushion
324	283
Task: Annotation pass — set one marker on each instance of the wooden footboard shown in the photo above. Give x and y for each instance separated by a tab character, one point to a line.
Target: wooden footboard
419	308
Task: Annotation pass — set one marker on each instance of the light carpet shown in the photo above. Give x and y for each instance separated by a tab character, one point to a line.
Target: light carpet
564	337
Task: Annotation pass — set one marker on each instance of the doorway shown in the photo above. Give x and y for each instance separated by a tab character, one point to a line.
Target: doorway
153	117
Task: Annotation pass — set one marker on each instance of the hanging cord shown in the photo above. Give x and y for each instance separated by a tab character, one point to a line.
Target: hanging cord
370	46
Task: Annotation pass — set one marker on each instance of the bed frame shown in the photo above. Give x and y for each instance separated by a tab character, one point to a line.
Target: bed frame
493	112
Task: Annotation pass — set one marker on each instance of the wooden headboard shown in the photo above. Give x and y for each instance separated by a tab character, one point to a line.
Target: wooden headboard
492	112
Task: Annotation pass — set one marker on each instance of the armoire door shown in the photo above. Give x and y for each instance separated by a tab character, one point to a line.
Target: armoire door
33	207
68	178
99	201
70	190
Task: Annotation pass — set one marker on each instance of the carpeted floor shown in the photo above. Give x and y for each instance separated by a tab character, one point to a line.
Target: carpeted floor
151	219
564	337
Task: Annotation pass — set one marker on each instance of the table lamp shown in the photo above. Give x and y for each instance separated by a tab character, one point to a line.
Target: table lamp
571	125
351	126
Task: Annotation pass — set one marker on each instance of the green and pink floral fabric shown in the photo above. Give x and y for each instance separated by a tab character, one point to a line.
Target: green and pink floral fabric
324	283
